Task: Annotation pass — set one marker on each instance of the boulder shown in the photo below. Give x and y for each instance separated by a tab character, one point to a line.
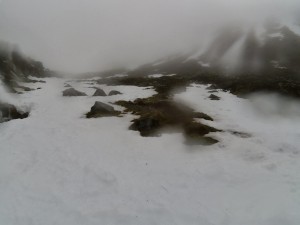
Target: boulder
99	92
68	86
73	92
214	97
114	93
100	109
10	112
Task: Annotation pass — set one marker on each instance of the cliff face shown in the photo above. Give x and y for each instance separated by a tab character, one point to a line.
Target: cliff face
15	66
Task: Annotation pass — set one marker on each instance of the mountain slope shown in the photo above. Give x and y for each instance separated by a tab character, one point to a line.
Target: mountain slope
15	66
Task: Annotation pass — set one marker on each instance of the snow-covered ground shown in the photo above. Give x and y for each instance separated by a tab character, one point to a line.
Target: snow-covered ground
160	75
118	76
58	168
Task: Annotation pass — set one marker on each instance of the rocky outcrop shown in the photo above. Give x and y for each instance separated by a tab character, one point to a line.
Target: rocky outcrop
67	86
159	115
100	109
99	92
15	66
10	112
71	92
113	92
214	97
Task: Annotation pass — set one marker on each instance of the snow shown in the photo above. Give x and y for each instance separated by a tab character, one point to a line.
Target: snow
204	64
56	167
5	96
276	35
277	65
118	76
160	75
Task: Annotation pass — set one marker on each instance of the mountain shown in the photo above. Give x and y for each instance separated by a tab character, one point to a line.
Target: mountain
258	49
237	50
242	60
16	66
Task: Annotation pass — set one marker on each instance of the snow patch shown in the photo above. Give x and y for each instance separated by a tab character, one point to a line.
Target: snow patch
204	64
276	35
160	75
118	76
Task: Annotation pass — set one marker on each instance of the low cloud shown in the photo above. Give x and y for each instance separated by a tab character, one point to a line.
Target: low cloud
91	35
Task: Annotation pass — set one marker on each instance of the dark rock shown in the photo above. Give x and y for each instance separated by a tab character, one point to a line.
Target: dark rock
201	115
214	97
198	129
10	112
68	85
73	92
146	126
114	93
26	88
240	134
99	92
100	109
17	85
195	134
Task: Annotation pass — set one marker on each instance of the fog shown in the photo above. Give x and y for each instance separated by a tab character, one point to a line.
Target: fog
91	35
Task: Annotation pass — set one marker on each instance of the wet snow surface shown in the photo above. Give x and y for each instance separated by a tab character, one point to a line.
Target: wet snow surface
58	168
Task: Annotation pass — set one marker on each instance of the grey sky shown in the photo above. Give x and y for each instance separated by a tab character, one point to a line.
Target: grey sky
87	35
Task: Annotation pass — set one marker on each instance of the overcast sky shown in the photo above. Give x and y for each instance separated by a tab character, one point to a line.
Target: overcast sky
90	35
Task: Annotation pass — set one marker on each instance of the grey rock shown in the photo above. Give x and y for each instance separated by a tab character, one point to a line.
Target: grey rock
73	92
99	92
214	97
100	109
114	93
10	112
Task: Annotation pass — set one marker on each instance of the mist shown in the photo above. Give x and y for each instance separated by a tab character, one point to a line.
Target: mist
93	35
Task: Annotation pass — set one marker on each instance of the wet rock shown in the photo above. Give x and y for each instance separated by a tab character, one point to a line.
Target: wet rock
114	93
10	112
214	97
100	109
73	92
99	92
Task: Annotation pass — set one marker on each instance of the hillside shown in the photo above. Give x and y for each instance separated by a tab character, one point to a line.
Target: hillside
17	67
